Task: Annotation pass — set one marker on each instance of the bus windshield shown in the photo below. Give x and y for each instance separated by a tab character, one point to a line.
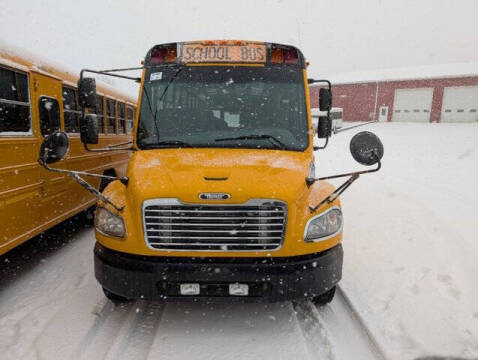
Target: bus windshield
223	106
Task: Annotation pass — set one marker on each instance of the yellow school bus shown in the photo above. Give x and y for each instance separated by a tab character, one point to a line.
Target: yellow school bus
221	201
37	99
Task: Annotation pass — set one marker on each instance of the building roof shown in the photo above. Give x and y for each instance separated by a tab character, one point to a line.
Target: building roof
407	73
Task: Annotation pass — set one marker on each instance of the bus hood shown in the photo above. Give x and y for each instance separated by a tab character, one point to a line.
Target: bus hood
242	173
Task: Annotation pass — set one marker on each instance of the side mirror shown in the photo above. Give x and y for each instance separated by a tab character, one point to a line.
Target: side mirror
54	148
87	92
324	127
89	129
366	148
325	99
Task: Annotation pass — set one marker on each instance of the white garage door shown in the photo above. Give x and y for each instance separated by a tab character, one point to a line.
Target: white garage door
412	105
460	104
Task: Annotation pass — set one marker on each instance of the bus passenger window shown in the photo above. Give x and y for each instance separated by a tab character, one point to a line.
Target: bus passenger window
49	115
111	116
100	114
14	102
129	119
71	112
121	118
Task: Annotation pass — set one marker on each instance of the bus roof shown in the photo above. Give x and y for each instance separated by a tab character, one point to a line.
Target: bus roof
22	60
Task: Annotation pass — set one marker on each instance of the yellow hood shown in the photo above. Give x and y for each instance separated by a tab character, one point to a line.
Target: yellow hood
242	173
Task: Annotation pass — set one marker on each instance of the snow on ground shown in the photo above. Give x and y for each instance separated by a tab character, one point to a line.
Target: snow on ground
410	269
410	237
51	307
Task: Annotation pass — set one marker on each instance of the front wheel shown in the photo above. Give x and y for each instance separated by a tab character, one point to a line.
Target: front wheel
116	299
324	298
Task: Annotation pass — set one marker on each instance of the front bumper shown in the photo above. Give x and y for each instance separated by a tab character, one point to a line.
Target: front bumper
269	279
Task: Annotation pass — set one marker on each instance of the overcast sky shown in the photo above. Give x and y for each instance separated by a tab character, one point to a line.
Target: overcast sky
335	36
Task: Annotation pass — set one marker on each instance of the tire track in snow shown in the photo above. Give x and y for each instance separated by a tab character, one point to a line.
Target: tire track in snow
337	331
123	331
100	332
316	335
229	331
136	337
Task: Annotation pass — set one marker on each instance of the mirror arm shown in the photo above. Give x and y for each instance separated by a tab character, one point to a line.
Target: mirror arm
379	165
95	192
354	126
76	176
323	146
337	192
110	147
123	179
108	73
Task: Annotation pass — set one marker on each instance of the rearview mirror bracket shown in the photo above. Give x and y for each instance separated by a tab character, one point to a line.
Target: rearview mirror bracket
110	72
76	176
337	192
325	104
54	148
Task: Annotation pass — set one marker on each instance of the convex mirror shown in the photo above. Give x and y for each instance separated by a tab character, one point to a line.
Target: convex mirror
54	147
366	148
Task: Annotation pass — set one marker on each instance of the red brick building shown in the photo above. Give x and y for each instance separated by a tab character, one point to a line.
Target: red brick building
444	99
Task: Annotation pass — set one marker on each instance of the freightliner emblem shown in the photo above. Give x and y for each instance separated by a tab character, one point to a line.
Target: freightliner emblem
214	196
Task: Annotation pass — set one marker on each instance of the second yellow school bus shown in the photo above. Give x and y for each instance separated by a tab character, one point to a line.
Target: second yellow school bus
37	99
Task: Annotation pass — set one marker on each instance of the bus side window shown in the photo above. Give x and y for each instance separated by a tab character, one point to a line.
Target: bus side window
121	118
49	110
111	116
71	112
100	114
14	102
129	119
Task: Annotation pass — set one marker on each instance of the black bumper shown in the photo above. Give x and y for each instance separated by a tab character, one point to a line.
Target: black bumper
269	279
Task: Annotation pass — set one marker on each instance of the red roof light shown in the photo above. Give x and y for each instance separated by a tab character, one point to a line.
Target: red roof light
284	55
164	54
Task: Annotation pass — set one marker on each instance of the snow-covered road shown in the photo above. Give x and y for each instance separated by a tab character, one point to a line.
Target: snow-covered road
54	309
410	273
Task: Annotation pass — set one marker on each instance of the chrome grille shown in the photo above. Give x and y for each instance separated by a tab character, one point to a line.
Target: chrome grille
257	225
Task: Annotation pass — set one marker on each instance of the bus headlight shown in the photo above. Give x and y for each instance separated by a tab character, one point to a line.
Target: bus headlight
324	226
108	223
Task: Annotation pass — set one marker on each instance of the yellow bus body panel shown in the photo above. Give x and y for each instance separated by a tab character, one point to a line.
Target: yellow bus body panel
33	199
252	174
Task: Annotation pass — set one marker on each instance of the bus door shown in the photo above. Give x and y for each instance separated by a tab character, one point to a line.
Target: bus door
47	99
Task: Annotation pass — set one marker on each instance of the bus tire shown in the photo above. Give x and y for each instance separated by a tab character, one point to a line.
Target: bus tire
116	299
325	298
89	215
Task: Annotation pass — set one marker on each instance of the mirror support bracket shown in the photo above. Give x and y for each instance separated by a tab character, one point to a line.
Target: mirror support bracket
76	176
111	147
110	73
315	148
95	192
337	192
329	88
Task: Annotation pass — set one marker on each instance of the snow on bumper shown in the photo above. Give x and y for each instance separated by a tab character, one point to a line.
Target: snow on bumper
269	280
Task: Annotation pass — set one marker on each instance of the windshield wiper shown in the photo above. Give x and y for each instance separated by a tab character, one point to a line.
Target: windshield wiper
165	144
272	139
